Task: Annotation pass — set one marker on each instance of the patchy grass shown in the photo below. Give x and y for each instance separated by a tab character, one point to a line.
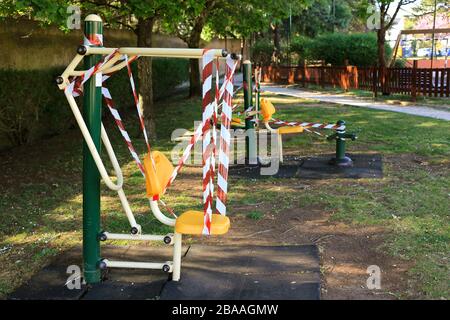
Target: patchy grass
40	195
379	131
255	215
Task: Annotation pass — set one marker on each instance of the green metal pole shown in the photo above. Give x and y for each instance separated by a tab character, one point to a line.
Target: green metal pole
340	148
92	113
258	89
340	136
250	139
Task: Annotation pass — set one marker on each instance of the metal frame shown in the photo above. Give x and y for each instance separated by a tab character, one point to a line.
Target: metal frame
279	138
132	52
94	166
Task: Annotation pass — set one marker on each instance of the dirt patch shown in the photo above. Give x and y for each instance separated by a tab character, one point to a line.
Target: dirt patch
346	251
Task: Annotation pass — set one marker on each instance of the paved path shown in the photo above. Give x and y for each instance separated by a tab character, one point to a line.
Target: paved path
339	99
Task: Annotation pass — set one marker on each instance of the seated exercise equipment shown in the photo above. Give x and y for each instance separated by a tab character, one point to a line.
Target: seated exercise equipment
159	173
266	109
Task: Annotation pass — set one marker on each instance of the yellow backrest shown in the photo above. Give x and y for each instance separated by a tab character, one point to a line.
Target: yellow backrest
267	109
157	177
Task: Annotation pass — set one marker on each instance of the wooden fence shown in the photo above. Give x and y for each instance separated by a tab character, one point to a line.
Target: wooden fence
409	81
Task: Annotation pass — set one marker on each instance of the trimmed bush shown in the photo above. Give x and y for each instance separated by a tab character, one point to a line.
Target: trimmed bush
32	106
360	49
302	46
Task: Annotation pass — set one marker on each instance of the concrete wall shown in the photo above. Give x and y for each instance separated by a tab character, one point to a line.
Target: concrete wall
27	46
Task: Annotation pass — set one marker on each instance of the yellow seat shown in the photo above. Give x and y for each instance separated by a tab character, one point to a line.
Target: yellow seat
158	173
191	222
290	129
237	123
267	109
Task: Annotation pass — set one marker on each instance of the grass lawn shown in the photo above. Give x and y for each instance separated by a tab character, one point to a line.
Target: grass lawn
40	198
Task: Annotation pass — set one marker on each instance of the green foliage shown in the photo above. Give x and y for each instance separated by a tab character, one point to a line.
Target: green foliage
45	11
400	63
242	18
262	51
301	46
168	73
32	107
319	18
359	48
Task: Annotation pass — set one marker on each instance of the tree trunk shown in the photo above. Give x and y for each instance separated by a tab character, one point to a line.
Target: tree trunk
194	74
381	34
145	84
276	42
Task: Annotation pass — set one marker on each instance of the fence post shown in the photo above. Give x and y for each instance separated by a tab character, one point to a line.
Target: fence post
322	75
92	113
346	75
414	81
304	74
375	81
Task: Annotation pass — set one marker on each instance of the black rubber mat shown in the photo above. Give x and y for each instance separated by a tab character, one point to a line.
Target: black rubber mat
254	273
365	166
208	272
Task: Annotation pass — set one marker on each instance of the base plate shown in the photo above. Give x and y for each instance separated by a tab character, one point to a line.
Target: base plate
364	166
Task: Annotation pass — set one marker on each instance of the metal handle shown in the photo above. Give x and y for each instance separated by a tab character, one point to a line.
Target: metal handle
95	155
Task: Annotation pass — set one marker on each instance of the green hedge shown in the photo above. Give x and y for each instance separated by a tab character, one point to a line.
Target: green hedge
359	49
32	107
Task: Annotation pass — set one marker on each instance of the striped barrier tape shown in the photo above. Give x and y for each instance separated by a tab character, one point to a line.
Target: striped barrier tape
115	113
308	124
225	140
210	112
207	113
75	87
138	107
93	40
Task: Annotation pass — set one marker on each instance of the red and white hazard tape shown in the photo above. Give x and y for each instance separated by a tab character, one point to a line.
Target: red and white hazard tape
138	107
209	137
225	139
308	125
93	40
208	109
75	87
110	104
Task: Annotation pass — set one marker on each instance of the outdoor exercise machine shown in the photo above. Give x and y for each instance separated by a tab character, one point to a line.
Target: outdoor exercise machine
159	173
266	109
